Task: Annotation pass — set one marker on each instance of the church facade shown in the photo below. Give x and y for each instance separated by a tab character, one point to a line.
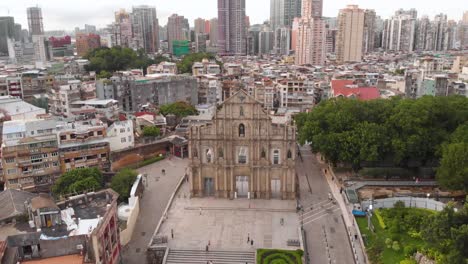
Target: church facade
243	154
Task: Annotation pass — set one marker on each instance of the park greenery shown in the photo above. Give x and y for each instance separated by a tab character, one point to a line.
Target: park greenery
77	181
122	182
105	61
400	232
179	109
404	133
185	65
151	131
279	256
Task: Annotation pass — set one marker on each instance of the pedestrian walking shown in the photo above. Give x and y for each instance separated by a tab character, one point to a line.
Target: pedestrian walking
163	171
172	233
329	196
206	248
248	238
341	190
251	242
200	210
209	242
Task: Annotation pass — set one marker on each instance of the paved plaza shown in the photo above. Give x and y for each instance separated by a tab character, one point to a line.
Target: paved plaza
228	224
158	190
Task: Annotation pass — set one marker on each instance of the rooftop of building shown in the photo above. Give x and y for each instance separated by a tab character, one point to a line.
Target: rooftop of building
15	106
69	259
12	203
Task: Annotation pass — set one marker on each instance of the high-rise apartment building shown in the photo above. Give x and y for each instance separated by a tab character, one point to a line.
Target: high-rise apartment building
145	28
214	32
283	12
232	31
200	26
176	30
311	34
399	31
282	40
7	31
35	21
265	40
123	30
86	42
42	48
350	34
369	31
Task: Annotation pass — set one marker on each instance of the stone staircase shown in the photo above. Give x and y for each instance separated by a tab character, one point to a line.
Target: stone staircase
178	256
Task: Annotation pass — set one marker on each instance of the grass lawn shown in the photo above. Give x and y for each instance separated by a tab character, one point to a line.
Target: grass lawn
389	255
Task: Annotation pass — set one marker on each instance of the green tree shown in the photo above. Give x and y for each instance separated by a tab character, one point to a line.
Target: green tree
105	61
78	181
151	131
185	65
453	170
122	183
179	109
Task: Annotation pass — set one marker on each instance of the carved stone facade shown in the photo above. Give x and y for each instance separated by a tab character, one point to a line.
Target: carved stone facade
243	154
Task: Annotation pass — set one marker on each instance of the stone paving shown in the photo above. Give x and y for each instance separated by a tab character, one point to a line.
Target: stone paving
158	190
228	224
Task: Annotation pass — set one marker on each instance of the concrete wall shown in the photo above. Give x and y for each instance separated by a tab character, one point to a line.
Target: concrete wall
62	247
409	202
128	157
126	234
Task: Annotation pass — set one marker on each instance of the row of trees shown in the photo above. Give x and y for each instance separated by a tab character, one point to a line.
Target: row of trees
104	61
179	109
405	132
82	180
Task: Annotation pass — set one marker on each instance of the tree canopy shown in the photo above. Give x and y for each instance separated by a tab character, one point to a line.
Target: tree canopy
453	170
122	183
78	181
185	66
151	131
179	109
408	132
104	61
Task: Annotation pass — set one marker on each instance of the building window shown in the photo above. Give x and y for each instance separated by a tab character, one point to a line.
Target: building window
275	156
44	155
241	111
123	140
54	154
55	164
129	138
289	154
11	171
195	153
241	130
14	181
263	154
63	137
221	153
122	130
99	132
242	157
9	160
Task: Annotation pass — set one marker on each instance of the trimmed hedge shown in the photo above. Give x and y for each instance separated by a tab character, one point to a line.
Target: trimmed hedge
380	219
279	256
146	162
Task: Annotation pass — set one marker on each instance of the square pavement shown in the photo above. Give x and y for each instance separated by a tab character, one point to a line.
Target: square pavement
227	224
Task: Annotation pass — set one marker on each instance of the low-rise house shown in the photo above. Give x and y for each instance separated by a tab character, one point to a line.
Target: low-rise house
120	135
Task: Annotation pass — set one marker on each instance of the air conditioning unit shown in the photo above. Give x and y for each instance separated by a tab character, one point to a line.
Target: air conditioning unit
79	247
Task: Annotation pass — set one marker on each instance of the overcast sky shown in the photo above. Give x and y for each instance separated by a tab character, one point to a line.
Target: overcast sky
67	14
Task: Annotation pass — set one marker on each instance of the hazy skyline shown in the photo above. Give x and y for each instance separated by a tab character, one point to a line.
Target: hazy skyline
66	15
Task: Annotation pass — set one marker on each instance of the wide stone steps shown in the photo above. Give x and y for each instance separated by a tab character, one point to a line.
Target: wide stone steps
177	256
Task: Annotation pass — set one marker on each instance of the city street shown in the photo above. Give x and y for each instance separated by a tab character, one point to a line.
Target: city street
327	239
155	198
